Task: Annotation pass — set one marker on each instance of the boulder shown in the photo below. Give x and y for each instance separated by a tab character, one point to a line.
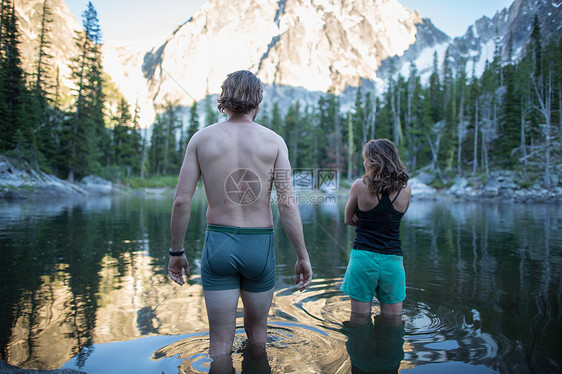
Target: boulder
420	189
425	178
96	185
492	187
18	179
459	187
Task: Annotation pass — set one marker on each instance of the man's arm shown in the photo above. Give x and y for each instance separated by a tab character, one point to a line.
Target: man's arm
290	216
187	182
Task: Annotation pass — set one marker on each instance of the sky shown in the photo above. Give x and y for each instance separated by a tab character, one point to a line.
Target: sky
150	22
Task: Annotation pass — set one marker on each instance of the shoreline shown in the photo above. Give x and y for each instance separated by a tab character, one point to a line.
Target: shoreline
45	192
20	182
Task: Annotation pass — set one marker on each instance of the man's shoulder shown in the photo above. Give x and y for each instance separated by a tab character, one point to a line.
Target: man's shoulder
205	132
221	129
269	132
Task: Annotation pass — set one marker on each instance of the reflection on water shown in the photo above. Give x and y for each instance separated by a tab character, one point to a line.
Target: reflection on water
375	346
84	286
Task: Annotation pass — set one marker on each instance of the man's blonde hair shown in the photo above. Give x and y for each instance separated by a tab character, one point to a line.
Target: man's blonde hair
241	92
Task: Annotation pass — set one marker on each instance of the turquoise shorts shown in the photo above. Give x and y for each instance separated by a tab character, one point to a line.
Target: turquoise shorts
238	258
371	274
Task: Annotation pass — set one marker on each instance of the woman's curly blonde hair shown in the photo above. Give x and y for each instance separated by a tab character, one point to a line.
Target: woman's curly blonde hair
385	172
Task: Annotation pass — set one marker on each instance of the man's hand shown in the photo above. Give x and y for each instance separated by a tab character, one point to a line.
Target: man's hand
175	266
303	273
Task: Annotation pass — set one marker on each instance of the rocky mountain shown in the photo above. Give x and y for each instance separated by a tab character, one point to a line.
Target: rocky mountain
61	35
312	44
478	44
299	48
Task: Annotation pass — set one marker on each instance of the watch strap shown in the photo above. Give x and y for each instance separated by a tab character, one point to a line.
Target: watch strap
175	253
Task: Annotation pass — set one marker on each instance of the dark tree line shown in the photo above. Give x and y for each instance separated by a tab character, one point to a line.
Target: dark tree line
455	124
72	142
97	134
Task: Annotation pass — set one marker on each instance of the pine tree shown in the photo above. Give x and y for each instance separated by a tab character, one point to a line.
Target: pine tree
308	139
474	116
43	57
509	124
291	130
456	113
350	146
385	118
415	126
264	116
16	126
487	100
536	42
163	155
277	120
126	140
86	137
359	129
526	94
535	47
370	115
451	128
211	113
185	136
435	93
193	121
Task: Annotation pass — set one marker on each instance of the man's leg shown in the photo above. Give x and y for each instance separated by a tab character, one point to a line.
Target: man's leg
256	309
221	311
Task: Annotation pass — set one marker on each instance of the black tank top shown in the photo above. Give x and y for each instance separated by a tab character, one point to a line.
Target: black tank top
378	229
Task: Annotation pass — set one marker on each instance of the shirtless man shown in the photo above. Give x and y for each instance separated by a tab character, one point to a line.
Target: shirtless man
239	161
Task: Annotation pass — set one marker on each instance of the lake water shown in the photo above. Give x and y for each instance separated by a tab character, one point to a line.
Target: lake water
84	286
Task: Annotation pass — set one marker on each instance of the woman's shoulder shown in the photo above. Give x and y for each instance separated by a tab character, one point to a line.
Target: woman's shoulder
402	201
358	186
359	183
407	189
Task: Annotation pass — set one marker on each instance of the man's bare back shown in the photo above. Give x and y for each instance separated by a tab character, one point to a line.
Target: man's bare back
237	159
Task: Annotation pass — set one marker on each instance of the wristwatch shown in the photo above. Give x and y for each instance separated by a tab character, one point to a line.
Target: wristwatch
177	253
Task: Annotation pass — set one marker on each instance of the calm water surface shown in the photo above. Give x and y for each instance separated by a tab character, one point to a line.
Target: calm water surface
84	286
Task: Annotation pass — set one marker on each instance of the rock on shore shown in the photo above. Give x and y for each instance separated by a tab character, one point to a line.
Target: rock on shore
502	185
20	181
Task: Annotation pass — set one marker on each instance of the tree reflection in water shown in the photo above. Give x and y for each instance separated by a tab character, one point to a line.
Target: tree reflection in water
84	283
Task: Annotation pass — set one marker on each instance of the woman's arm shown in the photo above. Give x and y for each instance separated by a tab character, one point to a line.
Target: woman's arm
351	206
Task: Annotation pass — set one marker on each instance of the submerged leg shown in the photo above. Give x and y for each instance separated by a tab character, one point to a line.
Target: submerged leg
222	364
391	309
256	309
360	312
221	311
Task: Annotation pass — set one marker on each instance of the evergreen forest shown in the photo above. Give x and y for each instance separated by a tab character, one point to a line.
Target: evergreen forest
455	124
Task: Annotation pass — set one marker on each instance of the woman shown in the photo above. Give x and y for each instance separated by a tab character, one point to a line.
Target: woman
376	205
